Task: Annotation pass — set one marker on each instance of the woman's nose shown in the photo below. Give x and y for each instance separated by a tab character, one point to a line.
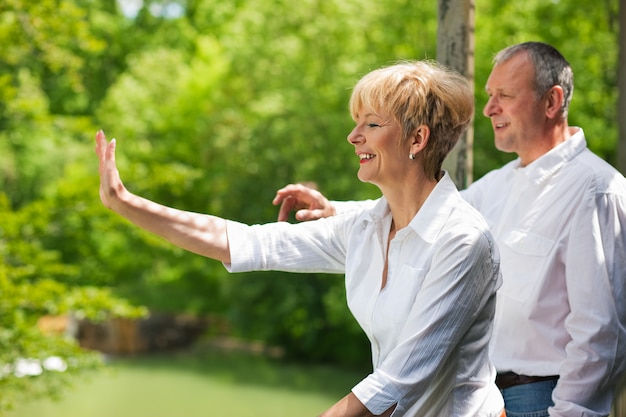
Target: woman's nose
354	136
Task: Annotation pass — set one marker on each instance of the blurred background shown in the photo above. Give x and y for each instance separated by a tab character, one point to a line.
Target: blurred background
215	105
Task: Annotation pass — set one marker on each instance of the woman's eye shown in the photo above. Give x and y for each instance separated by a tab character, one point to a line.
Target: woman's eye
373	125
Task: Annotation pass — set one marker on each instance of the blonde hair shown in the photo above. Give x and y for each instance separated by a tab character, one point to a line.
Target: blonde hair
419	93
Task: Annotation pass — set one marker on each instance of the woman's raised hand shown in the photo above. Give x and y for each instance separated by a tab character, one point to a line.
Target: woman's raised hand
111	186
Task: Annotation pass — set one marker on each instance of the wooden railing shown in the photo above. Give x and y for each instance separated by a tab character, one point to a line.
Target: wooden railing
132	336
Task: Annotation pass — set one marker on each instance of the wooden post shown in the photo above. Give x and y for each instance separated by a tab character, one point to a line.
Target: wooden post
621	88
455	49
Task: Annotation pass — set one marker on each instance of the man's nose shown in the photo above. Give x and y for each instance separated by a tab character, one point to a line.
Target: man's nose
491	107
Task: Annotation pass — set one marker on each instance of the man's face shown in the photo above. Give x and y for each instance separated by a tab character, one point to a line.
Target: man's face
517	116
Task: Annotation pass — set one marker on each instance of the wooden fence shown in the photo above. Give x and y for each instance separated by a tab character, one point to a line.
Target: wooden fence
132	336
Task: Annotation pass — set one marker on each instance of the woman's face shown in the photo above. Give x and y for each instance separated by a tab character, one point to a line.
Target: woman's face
376	139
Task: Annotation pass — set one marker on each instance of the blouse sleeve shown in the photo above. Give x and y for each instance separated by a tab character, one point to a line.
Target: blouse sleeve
316	246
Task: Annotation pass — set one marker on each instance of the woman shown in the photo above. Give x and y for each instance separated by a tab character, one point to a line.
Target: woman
421	267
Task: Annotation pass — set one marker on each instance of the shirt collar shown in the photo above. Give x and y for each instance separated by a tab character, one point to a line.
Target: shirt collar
546	165
430	218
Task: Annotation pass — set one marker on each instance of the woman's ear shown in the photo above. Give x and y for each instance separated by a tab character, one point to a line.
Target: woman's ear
419	139
554	101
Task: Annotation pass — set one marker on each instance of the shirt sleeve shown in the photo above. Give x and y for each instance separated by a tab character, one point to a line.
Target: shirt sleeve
342	207
475	193
455	305
315	246
596	285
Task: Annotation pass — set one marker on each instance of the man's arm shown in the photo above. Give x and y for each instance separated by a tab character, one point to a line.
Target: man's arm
597	320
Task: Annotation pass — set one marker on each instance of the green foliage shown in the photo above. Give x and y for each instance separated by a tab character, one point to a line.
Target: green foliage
305	314
53	40
34	281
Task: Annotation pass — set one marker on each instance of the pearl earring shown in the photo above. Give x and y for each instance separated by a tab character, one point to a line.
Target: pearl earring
411	156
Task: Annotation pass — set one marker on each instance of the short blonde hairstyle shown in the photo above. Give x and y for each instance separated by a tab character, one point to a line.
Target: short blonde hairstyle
419	93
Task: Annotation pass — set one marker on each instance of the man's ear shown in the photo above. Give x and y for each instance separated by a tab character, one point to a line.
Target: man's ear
419	139
554	101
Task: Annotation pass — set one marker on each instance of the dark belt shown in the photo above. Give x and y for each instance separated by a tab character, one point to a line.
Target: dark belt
511	379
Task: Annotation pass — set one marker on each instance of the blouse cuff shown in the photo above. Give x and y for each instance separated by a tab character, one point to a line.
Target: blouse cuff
240	247
376	393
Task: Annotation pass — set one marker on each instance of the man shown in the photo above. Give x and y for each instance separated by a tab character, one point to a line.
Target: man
558	213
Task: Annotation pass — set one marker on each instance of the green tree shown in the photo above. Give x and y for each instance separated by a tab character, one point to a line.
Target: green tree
35	281
43	107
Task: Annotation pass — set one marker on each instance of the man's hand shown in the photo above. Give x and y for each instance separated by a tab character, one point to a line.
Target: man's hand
308	203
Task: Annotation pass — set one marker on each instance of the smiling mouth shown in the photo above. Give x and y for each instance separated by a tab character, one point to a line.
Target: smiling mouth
364	157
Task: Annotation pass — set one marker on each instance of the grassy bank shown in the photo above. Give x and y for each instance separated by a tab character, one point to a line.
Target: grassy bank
200	383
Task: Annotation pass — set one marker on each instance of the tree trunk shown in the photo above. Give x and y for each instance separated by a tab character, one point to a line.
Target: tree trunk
621	87
619	403
455	49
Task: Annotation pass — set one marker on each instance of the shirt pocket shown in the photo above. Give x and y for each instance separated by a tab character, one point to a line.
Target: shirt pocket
523	257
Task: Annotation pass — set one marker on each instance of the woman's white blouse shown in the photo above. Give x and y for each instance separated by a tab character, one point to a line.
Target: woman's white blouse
429	327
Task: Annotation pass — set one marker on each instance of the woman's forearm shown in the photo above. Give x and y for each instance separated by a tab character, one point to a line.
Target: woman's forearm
351	406
199	233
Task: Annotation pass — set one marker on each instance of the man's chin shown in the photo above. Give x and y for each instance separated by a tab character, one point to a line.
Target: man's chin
504	145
